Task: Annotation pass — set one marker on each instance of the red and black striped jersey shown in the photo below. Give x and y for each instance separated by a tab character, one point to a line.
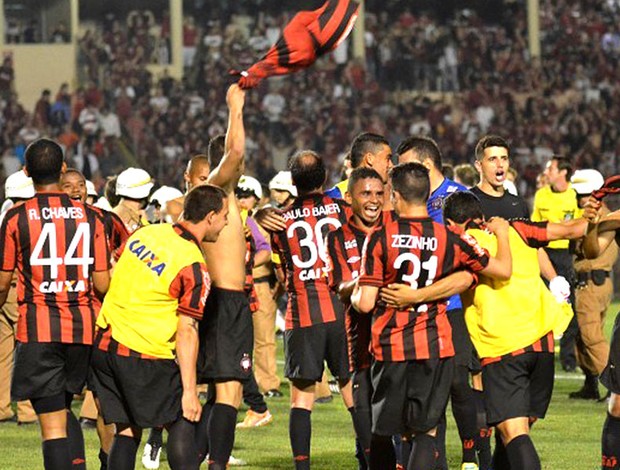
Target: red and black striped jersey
105	342
545	344
344	249
249	278
534	234
303	257
55	243
415	251
115	230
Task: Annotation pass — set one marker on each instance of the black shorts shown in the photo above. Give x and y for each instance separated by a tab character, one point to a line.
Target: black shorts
226	337
410	396
460	337
518	386
306	349
49	369
610	377
362	389
141	392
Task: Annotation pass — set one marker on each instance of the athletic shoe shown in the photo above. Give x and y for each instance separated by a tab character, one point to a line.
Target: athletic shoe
274	393
585	393
325	399
255	420
333	387
232	461
151	454
469	466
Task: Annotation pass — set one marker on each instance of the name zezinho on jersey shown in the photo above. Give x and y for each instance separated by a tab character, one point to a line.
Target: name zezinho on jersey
413	242
318	211
147	256
56	213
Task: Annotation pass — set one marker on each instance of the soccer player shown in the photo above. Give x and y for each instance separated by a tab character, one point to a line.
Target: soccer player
144	362
413	348
602	231
425	151
368	150
315	330
515	341
365	192
196	174
59	249
226	336
555	203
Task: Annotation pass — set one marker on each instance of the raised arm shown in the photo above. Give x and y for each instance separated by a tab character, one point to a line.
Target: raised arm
226	175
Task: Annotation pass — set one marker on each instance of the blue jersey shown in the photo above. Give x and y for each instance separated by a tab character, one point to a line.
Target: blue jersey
434	206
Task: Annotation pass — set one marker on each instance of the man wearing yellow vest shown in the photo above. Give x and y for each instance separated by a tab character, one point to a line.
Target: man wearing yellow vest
144	359
555	203
511	324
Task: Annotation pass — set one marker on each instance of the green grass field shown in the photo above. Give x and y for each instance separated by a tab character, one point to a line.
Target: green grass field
568	439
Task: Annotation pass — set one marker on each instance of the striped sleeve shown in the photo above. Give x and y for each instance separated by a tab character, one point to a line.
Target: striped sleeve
372	260
469	253
191	287
532	233
337	267
101	251
8	247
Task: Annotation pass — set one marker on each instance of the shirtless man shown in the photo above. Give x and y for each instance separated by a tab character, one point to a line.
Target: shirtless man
226	334
196	174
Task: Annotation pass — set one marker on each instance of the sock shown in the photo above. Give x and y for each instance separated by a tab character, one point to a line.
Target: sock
362	422
75	439
405	451
440	444
521	454
483	439
103	460
300	432
422	453
499	460
202	431
382	453
465	415
156	437
123	453
56	454
181	446
610	443
221	431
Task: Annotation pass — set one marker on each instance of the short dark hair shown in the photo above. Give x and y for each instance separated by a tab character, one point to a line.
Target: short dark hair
200	159
462	206
364	143
216	149
411	181
467	174
308	171
490	141
362	174
202	200
44	159
75	171
109	191
564	164
424	146
447	170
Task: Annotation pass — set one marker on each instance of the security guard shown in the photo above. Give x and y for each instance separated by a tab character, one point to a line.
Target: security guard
592	296
17	188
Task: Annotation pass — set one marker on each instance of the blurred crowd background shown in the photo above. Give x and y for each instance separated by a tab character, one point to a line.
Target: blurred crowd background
449	72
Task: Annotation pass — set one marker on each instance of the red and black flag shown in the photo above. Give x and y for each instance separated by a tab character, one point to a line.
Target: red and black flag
308	36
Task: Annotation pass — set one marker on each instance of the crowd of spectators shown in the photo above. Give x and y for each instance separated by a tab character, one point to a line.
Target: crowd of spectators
29	31
454	77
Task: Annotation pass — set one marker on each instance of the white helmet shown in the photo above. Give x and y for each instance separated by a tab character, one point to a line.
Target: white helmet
586	181
134	183
284	182
165	194
18	185
247	184
90	189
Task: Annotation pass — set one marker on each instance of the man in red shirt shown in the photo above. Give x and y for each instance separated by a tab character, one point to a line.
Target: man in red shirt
58	246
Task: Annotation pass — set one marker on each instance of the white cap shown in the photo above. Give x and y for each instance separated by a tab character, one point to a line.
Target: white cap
250	185
284	182
586	181
165	194
90	189
134	183
18	185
